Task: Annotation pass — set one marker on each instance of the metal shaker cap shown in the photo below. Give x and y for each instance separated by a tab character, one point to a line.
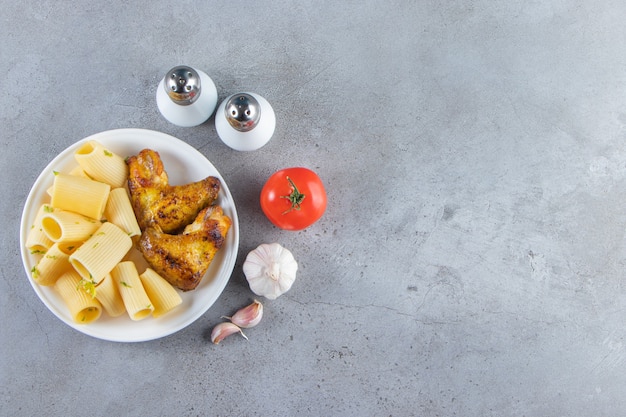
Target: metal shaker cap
182	85
243	112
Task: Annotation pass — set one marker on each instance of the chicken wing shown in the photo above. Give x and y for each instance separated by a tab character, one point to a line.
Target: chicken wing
183	259
160	205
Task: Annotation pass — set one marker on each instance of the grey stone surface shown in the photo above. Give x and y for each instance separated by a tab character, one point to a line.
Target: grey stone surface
471	260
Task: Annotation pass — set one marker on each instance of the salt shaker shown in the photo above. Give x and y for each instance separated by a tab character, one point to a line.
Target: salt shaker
186	96
245	121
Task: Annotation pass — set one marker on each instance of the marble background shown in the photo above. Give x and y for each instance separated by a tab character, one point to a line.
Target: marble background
471	260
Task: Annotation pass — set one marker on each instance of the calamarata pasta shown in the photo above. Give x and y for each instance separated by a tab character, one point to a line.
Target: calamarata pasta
110	298
131	289
82	306
119	211
67	226
83	237
164	297
101	164
52	264
37	241
80	195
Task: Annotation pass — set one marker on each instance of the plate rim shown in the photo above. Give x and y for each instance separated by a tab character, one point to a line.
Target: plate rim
114	134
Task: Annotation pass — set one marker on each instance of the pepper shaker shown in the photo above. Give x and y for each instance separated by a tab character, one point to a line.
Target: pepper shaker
245	121
186	96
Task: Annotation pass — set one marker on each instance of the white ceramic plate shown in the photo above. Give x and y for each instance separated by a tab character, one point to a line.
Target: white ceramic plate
183	164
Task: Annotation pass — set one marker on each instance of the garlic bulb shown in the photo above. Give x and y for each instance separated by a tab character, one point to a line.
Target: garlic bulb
270	270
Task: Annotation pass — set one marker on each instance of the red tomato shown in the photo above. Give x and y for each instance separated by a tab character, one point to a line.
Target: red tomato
293	198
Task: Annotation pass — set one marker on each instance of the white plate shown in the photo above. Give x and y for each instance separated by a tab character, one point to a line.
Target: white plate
183	164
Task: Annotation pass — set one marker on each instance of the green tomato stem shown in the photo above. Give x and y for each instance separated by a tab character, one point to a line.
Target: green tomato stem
295	198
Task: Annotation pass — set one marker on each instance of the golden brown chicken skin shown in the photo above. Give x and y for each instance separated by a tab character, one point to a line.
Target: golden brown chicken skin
183	259
160	205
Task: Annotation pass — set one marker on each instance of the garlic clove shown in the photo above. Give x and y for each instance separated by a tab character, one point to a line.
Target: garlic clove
223	330
248	316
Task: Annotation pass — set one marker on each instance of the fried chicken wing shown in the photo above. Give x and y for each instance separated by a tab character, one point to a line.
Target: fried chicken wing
160	205
183	259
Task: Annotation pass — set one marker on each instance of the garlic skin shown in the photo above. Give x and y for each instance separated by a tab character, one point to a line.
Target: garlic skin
270	270
223	330
248	316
